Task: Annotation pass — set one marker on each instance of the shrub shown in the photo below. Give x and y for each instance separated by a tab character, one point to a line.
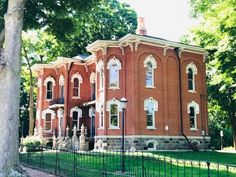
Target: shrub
32	143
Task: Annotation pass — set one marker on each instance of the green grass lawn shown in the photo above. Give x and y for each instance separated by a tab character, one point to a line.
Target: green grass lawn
212	156
94	164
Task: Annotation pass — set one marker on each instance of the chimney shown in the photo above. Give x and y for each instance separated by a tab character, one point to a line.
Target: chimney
141	30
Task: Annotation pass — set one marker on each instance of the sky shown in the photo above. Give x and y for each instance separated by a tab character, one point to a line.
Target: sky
168	19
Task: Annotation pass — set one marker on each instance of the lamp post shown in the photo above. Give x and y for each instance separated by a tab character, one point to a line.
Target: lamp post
123	104
221	139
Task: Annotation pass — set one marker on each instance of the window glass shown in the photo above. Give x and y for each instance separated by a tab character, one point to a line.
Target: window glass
76	87
75	119
149	74
114	75
49	90
150	114
48	121
114	115
190	79
101	117
192	117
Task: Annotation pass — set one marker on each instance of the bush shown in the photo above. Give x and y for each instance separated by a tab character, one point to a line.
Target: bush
31	143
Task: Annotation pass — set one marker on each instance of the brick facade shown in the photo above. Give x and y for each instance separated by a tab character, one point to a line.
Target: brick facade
131	52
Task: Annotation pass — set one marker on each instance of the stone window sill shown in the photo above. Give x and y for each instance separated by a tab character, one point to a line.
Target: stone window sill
151	128
114	88
192	91
193	129
113	128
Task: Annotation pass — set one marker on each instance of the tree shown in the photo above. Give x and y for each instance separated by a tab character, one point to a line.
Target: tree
10	87
217	33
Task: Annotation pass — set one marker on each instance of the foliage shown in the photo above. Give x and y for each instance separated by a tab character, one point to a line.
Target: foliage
32	143
217	34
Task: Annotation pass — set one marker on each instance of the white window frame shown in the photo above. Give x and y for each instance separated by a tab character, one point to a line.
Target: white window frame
193	67
111	62
62	85
152	60
101	117
53	114
100	70
79	111
79	77
109	103
154	144
46	80
155	110
196	111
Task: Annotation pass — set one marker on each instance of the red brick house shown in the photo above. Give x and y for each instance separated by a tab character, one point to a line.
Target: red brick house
163	81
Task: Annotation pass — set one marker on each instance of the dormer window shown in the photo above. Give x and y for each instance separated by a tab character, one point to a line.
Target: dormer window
114	66
150	64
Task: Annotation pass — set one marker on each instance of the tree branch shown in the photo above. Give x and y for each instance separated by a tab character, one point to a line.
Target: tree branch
2	37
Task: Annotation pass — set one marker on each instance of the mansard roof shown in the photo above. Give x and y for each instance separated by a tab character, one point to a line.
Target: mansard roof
143	39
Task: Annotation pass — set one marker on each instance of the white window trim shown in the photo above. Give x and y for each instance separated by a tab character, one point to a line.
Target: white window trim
155	110
53	115
100	111
79	111
100	66
92	77
109	103
154	143
61	80
196	111
49	79
79	77
112	61
193	67
152	60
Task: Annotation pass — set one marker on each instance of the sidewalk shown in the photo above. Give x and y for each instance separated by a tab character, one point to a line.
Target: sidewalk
36	173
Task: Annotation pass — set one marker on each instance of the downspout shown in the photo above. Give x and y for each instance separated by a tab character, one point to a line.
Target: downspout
68	89
176	50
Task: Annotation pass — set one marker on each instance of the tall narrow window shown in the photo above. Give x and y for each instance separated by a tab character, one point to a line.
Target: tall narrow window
114	66
76	87
101	81
190	79
92	79
77	80
113	115
191	71
49	90
150	114
193	110
48	122
192	118
101	117
150	64
61	91
149	75
75	116
150	106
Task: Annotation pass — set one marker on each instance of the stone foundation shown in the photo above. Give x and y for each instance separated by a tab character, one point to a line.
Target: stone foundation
150	142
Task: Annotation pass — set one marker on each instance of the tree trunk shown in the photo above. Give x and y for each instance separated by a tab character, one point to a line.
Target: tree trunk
10	89
31	96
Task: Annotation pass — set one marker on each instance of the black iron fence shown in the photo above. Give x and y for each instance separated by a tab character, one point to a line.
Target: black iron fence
108	164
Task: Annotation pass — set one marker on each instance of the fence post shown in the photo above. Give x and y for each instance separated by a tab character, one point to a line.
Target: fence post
56	162
74	164
143	168
208	168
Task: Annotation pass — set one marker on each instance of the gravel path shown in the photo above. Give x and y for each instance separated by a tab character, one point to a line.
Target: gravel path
36	173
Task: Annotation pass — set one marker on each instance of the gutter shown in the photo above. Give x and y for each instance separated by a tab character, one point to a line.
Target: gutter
176	50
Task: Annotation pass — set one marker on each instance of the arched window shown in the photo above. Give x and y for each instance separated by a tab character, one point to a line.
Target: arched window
191	71
114	66
49	90
193	110
151	145
150	65
76	114
113	106
49	82
61	83
150	106
93	85
77	81
48	115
